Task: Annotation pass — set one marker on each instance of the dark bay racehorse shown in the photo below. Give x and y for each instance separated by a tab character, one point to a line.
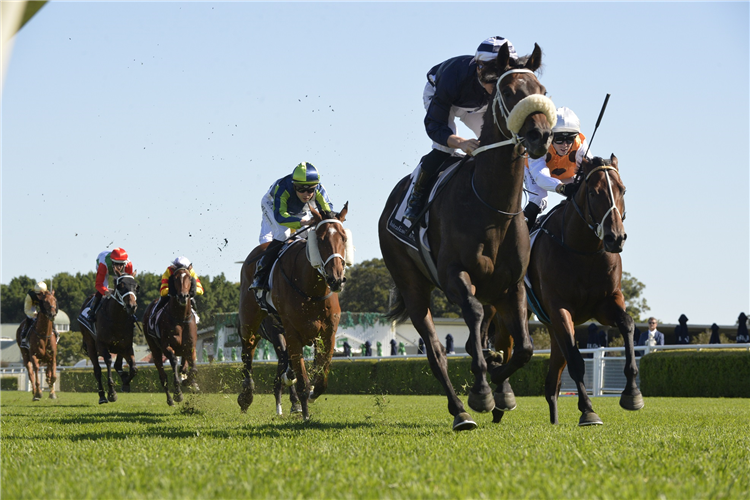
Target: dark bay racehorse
177	335
273	331
575	272
115	321
42	345
306	282
477	234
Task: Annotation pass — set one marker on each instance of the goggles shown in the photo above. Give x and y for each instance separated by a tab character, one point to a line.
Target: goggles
564	138
306	189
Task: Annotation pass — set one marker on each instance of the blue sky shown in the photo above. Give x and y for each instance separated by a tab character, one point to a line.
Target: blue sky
158	126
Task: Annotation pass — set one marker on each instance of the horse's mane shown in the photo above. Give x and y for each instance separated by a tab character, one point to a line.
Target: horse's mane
596	161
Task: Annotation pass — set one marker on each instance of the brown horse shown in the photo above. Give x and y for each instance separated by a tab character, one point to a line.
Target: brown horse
477	234
306	280
575	272
42	345
115	321
272	330
177	335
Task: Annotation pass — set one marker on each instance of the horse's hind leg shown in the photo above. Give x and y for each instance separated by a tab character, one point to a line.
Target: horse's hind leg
294	347
505	399
322	364
111	393
554	379
52	378
94	357
121	373
158	358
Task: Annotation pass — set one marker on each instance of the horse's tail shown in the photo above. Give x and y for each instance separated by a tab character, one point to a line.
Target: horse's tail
398	312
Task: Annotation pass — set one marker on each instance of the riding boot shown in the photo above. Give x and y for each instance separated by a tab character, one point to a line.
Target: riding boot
25	334
94	308
531	212
430	164
263	268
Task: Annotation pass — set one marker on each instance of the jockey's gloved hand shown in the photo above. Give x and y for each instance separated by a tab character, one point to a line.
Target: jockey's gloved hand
566	190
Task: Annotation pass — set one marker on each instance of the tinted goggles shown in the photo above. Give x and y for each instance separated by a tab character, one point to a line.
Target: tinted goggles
306	189
564	139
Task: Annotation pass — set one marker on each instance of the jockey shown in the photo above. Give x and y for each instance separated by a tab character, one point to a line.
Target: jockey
31	309
196	288
286	207
460	87
115	263
557	169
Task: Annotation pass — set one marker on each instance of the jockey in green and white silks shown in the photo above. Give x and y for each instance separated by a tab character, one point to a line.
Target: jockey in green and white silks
286	208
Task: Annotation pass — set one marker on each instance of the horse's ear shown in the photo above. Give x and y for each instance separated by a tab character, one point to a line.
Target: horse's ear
503	58
535	59
133	275
342	215
613	160
52	292
316	216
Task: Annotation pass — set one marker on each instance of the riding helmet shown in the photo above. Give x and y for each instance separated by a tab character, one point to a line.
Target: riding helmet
40	287
119	256
305	173
181	262
567	121
488	49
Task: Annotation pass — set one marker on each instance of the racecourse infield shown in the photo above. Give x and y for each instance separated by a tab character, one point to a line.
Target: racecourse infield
368	447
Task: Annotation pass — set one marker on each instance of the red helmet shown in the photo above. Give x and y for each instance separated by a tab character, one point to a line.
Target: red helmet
119	256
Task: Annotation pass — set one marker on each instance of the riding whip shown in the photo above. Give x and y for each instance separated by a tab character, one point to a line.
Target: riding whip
598	121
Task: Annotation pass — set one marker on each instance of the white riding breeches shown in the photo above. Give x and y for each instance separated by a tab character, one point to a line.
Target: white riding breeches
471	117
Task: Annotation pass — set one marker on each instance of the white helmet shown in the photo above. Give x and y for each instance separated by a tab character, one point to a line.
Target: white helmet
40	287
181	262
567	121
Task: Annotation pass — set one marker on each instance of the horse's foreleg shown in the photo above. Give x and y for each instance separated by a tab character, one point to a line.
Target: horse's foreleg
250	338
52	377
513	314
554	378
132	371
298	365
94	357
172	357
111	393
615	315
188	366
158	359
459	290
322	364
505	399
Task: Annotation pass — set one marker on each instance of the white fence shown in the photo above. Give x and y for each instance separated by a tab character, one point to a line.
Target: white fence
604	375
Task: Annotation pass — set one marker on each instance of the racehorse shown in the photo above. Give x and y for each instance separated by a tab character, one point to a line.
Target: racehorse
477	234
273	331
575	272
42	345
306	280
177	334
115	321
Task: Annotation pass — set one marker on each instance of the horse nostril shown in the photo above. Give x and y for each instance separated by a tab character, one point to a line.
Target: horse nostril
534	136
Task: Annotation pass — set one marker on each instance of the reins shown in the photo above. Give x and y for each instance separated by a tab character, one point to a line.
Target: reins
297	289
598	228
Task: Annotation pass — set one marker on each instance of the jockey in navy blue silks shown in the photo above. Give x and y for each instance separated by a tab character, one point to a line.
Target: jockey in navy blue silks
460	87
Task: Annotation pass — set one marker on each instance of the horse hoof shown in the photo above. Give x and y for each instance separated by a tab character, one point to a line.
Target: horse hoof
463	422
497	416
195	388
52	395
632	402
505	401
126	388
36	398
170	402
312	397
279	411
103	400
286	381
296	408
589	418
481	402
244	400
178	397
112	397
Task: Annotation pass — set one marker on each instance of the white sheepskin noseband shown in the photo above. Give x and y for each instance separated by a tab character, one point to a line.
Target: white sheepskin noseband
528	105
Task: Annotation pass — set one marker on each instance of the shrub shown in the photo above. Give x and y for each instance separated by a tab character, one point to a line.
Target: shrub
711	374
9	383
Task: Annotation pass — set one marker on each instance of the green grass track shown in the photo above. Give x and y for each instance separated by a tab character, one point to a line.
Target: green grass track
368	447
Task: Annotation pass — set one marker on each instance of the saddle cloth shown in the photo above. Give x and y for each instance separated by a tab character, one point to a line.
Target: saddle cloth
399	227
531	298
83	317
266	294
153	322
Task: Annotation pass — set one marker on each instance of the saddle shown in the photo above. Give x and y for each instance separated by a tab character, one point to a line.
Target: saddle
263	295
153	321
83	316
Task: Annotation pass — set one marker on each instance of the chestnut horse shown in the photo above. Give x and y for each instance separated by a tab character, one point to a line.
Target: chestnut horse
575	272
272	330
306	280
115	321
477	234
177	336
42	345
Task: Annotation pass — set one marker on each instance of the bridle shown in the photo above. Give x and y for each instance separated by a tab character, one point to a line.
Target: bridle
120	297
317	261
598	228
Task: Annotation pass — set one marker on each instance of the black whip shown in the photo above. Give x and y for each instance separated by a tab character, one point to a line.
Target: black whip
598	121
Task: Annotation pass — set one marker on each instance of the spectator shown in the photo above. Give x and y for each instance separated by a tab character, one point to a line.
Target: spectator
449	344
394	347
637	340
593	340
652	336
347	349
420	346
742	335
681	331
380	349
368	348
603	340
714	335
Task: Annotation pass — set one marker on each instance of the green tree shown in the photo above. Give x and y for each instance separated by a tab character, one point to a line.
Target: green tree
219	296
69	351
635	304
11	299
71	292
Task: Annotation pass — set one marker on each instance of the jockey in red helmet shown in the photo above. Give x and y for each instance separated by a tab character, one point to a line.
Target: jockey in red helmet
114	262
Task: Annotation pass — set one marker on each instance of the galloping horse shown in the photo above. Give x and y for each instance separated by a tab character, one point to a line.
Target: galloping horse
42	345
273	331
114	333
477	234
306	280
575	272
177	334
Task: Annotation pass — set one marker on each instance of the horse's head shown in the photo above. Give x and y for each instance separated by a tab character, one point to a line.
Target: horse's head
602	197
332	243
125	292
181	285
521	100
48	304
